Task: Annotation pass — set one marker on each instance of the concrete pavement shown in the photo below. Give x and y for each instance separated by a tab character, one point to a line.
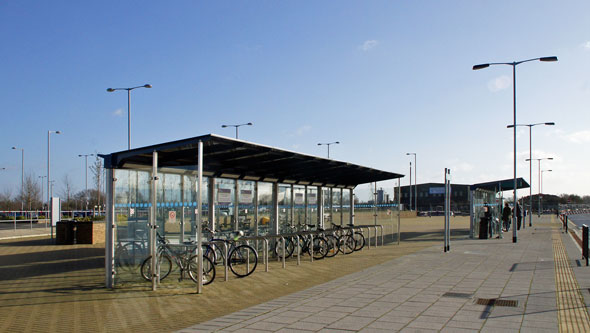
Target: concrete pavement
431	291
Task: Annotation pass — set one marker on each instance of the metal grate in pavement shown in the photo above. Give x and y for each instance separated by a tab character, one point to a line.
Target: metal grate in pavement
496	302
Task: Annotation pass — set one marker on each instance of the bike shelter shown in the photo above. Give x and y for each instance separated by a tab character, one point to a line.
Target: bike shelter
176	188
489	196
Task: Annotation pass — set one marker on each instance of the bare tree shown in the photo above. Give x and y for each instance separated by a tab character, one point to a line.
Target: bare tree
6	200
32	191
67	191
97	170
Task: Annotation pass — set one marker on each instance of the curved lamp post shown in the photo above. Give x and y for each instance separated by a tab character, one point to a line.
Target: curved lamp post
22	178
539	198
328	144
547	170
514	64
415	183
49	181
129	109
530	126
237	126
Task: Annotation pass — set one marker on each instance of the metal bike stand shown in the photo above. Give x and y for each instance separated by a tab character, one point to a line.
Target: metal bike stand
298	251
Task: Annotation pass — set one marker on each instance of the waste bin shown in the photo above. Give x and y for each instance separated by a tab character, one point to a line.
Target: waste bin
64	232
483	227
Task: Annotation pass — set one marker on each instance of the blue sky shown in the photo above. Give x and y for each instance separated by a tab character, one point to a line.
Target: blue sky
382	77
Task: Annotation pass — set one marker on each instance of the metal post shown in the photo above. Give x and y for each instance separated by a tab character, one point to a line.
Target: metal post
530	176
375	207
109	232
351	221
200	220
410	186
514	234
399	192
446	219
153	210
48	180
585	249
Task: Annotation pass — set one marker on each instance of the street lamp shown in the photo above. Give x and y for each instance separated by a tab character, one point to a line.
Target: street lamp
415	183
129	109
86	172
236	126
539	160
530	126
42	177
328	144
514	64
549	170
22	178
49	189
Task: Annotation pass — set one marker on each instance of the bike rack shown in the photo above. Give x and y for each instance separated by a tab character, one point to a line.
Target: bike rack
225	254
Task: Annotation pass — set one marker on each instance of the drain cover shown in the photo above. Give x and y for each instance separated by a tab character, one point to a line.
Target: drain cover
457	295
496	302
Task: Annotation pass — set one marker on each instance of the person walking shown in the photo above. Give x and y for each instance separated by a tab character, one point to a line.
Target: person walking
506	213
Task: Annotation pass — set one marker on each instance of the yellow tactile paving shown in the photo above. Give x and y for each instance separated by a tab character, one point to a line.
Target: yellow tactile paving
572	313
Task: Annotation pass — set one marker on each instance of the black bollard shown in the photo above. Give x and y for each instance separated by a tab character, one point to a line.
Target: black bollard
585	242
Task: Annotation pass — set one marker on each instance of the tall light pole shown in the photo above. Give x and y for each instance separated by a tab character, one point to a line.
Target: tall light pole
328	144
415	182
49	192
541	184
514	64
237	126
410	187
539	174
22	178
86	172
530	126
42	177
129	109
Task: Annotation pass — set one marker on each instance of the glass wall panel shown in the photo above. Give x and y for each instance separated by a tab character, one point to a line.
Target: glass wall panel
189	205
336	207
264	208
246	200
299	204
284	208
224	204
168	207
312	205
345	206
327	206
131	222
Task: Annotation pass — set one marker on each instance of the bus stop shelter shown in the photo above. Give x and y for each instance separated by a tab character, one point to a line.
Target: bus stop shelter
225	184
486	194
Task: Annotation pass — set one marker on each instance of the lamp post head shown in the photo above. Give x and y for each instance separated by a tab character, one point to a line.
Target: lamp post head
249	124
548	59
481	66
550	124
110	89
57	132
337	142
13	147
147	85
550	158
223	126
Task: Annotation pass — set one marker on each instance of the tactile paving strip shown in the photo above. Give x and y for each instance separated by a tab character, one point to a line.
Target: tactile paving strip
573	316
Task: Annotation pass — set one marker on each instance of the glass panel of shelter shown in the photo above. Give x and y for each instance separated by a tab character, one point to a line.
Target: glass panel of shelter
246	205
336	207
298	206
224	196
264	207
312	205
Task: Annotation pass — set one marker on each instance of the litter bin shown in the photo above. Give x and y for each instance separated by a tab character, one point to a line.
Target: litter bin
64	232
483	227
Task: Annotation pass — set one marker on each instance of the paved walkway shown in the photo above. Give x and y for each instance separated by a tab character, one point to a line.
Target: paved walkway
529	286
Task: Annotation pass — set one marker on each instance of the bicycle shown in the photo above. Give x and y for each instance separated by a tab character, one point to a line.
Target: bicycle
243	259
185	260
359	238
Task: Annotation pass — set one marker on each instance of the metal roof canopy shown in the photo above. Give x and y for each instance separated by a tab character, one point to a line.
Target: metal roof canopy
501	185
232	158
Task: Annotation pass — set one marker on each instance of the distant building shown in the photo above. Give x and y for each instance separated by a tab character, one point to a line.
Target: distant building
431	197
380	196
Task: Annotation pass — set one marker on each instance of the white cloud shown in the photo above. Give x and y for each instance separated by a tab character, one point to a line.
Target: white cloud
579	137
369	44
500	83
586	45
302	130
118	112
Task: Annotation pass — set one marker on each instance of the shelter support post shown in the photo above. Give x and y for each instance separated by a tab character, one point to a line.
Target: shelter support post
109	232
275	208
152	244
200	220
351	206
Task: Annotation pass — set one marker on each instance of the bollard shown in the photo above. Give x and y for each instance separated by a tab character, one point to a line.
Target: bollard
585	242
566	224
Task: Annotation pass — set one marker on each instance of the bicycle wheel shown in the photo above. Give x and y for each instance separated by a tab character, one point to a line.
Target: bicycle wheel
128	255
209	252
289	248
320	248
333	246
243	260
347	244
359	241
208	270
165	267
